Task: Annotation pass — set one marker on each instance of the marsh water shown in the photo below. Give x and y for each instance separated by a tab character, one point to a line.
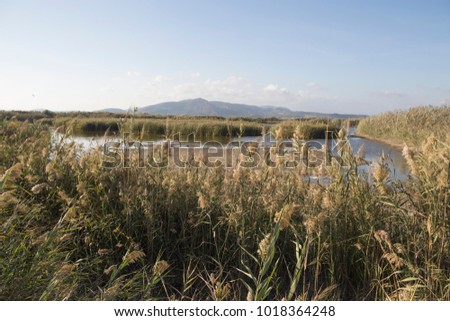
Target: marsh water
373	150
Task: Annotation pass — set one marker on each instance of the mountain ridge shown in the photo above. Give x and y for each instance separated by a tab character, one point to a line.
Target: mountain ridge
203	107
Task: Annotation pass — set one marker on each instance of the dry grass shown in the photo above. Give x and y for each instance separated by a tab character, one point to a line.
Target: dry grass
305	129
201	127
74	230
412	126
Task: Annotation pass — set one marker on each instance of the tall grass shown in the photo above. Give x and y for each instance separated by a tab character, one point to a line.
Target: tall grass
151	125
412	126
201	127
304	129
72	229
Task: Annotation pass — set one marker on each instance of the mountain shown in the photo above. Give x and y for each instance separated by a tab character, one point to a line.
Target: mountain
203	107
112	110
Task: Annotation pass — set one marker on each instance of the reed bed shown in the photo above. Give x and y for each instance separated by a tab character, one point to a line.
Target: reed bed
201	127
146	124
305	129
411	126
75	230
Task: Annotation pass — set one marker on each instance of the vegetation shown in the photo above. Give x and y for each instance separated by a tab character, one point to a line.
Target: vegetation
201	127
72	229
413	126
158	126
147	125
304	129
24	115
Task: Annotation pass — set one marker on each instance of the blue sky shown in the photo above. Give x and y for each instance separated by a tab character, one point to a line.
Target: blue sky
329	56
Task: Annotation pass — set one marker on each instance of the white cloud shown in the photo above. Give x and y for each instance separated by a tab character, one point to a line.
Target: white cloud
313	85
133	73
160	78
274	88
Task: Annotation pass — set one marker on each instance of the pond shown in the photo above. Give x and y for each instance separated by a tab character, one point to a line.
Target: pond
373	149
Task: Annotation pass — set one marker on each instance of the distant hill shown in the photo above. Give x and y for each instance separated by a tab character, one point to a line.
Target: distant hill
203	107
113	110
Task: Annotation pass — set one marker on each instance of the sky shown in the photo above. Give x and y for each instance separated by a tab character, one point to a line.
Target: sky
327	56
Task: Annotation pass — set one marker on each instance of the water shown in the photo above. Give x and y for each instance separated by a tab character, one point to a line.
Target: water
373	149
373	152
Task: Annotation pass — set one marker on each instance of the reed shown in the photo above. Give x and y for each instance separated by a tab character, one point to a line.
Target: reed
411	126
305	129
200	127
72	229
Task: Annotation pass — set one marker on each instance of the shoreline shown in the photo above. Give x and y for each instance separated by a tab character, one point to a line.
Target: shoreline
394	144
